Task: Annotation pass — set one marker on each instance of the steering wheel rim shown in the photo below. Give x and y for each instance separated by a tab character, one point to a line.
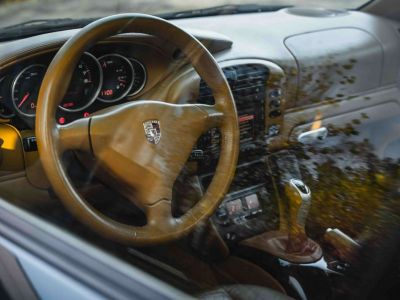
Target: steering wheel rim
182	125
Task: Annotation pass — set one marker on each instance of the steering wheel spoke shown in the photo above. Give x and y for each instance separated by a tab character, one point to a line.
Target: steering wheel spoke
159	215
73	136
215	116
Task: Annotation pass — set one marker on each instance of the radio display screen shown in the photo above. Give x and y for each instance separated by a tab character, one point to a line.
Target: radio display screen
246	127
234	207
252	202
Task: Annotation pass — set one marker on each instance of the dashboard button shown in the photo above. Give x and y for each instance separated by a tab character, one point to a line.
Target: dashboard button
29	144
275	114
276	103
275	93
221	213
273	130
230	236
197	154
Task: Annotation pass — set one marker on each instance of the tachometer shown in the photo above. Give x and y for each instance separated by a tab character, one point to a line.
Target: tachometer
118	77
25	89
85	84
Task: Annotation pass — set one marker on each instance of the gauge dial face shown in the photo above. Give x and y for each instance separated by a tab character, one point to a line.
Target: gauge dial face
5	109
84	86
118	77
25	89
140	77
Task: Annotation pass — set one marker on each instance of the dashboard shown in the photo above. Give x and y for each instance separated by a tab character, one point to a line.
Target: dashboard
109	74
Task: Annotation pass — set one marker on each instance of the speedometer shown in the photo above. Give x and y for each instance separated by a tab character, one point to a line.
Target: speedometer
25	89
85	84
118	77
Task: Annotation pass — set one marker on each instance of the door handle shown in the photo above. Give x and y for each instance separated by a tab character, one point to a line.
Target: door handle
313	136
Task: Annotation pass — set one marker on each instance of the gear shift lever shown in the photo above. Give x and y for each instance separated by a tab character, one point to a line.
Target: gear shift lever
291	242
299	197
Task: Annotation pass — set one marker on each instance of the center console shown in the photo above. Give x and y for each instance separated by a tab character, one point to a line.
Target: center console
245	213
248	208
262	217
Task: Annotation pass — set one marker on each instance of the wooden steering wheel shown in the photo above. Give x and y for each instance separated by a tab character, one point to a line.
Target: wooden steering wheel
142	144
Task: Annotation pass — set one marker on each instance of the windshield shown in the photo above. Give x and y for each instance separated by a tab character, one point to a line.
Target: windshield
14	12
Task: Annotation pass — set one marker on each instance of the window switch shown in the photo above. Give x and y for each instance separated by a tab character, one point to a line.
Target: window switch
29	144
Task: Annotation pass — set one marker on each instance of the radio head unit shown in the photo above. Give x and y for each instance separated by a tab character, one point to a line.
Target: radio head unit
248	85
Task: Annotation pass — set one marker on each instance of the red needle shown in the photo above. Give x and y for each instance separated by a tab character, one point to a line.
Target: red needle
23	100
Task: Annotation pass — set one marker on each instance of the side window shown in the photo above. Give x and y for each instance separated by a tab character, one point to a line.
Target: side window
14	283
350	161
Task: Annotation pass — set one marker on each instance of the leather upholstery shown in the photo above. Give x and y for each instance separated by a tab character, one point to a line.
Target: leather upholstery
275	243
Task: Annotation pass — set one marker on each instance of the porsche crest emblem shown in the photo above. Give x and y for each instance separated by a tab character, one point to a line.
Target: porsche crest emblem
152	131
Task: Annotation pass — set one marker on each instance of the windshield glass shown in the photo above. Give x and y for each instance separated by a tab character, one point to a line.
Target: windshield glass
253	151
14	12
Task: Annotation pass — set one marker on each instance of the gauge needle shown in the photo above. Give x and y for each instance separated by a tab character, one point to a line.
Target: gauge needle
23	100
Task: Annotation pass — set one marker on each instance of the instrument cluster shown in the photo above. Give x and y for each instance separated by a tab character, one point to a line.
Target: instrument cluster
95	83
